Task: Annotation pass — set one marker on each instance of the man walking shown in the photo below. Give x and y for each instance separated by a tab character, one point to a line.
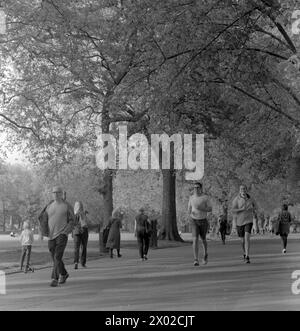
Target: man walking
142	231
60	221
198	207
245	208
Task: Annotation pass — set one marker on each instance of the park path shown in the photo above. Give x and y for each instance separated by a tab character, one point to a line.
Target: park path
168	281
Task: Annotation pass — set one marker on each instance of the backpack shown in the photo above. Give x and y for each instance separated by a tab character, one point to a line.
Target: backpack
43	222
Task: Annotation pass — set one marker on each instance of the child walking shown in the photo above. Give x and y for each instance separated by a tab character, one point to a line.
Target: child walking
26	239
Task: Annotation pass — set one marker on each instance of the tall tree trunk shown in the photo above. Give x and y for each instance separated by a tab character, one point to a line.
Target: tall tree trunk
292	185
11	224
107	185
107	194
4	220
169	229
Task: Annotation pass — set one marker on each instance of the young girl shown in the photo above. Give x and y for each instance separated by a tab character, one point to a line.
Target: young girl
284	221
80	234
26	239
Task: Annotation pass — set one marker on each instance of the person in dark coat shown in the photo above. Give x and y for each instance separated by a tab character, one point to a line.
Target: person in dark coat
223	224
114	236
142	231
80	234
284	222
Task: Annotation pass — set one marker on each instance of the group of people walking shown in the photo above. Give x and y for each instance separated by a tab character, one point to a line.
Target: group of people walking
141	229
58	219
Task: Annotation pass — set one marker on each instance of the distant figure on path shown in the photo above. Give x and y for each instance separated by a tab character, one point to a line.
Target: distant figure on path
284	222
26	239
114	236
262	221
142	231
273	222
80	234
223	223
60	222
267	222
244	207
198	207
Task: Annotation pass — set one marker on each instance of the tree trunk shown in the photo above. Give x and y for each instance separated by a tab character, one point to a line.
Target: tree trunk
169	229
153	238
107	185
11	225
107	194
4	221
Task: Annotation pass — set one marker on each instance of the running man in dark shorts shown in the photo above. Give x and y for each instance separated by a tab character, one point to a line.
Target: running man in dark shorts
199	206
244	207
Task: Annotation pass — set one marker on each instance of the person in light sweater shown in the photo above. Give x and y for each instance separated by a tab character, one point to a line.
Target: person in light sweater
26	239
245	209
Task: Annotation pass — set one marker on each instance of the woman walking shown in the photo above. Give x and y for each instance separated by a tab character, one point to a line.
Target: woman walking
284	221
114	236
142	231
80	234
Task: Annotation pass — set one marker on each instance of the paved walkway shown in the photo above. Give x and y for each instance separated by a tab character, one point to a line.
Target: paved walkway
168	281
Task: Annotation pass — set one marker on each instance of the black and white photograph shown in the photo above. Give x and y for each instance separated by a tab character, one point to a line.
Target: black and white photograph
150	158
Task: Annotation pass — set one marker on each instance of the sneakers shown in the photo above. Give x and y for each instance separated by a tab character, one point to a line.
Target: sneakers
119	255
284	251
247	259
145	257
63	279
54	283
204	261
196	263
76	266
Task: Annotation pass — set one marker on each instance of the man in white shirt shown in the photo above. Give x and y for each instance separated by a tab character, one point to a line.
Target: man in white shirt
198	207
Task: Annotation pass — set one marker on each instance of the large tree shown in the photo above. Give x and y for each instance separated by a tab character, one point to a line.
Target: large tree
200	63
